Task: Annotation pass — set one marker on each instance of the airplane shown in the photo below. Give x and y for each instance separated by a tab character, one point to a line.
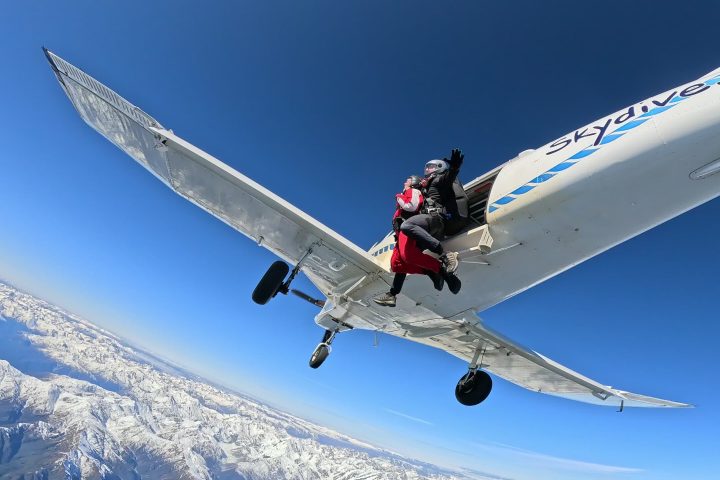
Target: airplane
533	217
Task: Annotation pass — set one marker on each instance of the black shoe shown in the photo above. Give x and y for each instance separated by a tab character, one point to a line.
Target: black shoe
386	300
453	282
450	261
437	279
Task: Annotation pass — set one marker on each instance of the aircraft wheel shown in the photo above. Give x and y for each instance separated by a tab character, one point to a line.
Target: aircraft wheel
319	355
270	283
473	387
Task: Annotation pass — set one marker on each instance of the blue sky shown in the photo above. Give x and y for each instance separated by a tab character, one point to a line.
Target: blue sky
331	105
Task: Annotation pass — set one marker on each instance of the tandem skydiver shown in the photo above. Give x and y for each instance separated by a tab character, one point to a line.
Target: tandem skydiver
445	209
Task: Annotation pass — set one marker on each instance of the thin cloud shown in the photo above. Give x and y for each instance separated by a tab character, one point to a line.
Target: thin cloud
324	385
409	417
558	462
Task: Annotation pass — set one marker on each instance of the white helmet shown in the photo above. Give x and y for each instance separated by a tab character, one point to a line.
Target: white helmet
435	166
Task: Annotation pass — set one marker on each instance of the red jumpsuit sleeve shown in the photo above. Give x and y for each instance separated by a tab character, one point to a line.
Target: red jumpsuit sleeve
410	200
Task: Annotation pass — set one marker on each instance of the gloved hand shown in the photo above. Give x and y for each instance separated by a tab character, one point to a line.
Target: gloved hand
456	158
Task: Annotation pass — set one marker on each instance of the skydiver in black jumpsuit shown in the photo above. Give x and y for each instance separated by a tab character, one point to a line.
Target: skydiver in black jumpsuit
442	213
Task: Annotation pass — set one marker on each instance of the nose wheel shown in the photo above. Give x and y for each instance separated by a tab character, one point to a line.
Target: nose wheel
322	350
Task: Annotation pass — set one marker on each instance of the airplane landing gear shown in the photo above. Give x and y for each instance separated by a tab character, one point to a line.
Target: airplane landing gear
271	283
322	350
473	387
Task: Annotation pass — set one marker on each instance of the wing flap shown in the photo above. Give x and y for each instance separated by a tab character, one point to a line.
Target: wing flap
330	260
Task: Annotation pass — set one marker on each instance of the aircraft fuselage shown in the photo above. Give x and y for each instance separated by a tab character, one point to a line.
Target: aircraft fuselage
552	208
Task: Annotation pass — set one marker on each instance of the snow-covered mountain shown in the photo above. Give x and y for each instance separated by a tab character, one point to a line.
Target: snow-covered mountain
76	402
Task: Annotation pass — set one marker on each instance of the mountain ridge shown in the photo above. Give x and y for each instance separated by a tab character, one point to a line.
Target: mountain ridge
81	403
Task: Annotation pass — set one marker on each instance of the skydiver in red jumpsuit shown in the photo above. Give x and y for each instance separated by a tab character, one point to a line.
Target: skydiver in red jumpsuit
407	258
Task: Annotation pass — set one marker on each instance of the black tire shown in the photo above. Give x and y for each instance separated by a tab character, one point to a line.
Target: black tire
473	388
319	355
270	282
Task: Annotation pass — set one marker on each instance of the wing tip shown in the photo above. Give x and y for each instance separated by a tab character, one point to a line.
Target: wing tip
647	401
49	55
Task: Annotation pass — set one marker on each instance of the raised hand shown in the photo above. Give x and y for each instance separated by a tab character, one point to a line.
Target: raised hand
456	157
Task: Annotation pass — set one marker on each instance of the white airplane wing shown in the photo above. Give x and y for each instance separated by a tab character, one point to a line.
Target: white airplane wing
331	261
534	371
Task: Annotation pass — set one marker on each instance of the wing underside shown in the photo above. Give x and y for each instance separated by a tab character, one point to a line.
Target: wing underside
331	261
465	334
